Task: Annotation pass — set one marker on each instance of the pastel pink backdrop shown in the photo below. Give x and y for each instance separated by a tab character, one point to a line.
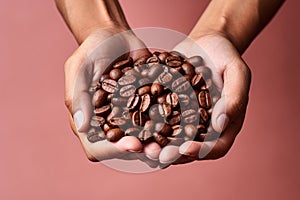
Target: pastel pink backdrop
42	159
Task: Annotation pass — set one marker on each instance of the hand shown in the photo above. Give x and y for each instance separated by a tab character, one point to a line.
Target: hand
229	69
84	69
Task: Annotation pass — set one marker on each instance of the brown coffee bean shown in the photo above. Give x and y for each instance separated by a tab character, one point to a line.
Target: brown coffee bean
163	129
173	61
119	101
164	78
141	60
177	130
93	88
176	141
145	102
176	71
138	119
95	136
198	81
145	135
103	77
115	112
175	119
190	130
153	59
144	90
99	98
189	116
102	111
161	99
97	121
180	85
156	89
195	60
162	56
154	114
149	125
114	134
123	63
144	81
106	128
127	115
127	90
188	69
205	71
145	72
126	69
184	100
115	74
117	122
133	102
204	99
203	115
127	80
176	53
132	131
155	70
201	128
165	110
172	99
161	140
109	85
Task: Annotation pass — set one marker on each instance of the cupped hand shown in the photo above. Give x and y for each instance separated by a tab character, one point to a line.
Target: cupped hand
232	78
83	69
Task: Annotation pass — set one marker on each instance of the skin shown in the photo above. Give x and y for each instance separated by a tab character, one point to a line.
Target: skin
224	32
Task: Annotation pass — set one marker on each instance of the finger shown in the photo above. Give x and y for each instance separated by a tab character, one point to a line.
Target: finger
169	154
152	151
151	163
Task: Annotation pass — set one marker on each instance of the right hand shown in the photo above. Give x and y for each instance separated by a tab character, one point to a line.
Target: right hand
83	69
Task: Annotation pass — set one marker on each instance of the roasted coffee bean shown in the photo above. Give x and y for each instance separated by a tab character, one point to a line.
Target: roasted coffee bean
117	122
132	131
95	87
184	100
109	85
149	125
154	114
144	90
106	128
176	71
97	121
127	90
162	56
127	80
203	115
138	119
114	134
176	141
115	74
153	59
141	60
119	101
204	99
195	60
95	136
189	116
175	119
161	140
145	102
177	54
127	115
188	69
133	102
198	81
103	111
161	99
126	69
155	70
190	130
163	129
156	89
173	61
144	135
145	72
180	85
123	63
115	112
172	99
165	110
109	97
205	71
99	98
164	78
144	81
103	77
201	128
177	130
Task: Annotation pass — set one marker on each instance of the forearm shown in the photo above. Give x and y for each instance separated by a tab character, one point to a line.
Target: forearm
85	16
239	20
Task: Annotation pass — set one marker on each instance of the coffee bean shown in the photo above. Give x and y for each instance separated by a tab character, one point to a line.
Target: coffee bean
119	101
153	59
127	80
156	89
161	99
95	136
144	81
117	122
163	129
165	110
172	99
177	54
127	115
173	61
141	60
106	128
161	140
198	81
195	60
115	74
127	90
175	119
190	130
189	116
97	121
145	102
133	102
145	72
154	114
103	77
201	128
149	125
204	99
155	70
132	131
177	130
95	87
109	85
205	71
99	98
115	112
102	111
114	134
184	100
144	136
203	115
188	69
164	78
180	85
138	119
126	69
162	56
144	90
123	63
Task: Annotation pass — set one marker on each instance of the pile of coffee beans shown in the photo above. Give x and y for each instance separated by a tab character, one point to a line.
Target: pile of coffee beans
163	98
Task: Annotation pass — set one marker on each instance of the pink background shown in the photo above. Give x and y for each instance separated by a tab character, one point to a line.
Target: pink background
41	158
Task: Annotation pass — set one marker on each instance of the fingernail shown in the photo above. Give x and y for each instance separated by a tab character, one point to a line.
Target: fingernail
148	156
222	121
78	119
